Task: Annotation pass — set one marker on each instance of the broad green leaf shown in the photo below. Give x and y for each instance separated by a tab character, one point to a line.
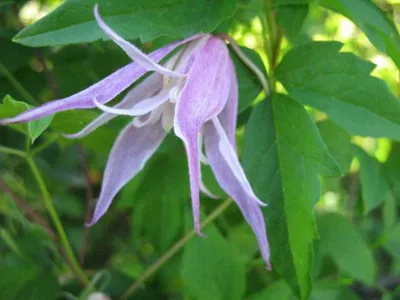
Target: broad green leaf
374	184
291	18
340	240
34	129
210	269
73	21
339	84
338	142
372	21
281	152
298	131
277	290
249	85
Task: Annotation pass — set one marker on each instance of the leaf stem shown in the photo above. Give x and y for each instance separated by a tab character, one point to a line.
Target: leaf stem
12	151
17	85
57	222
174	250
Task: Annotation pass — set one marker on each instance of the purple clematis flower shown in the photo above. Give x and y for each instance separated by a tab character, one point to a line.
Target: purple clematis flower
195	92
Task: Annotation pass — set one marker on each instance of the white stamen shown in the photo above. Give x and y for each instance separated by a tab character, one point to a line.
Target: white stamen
167	118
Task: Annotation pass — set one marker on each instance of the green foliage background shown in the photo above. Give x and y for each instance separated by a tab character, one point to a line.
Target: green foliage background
322	150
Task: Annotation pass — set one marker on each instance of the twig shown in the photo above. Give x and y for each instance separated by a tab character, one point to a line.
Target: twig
173	250
36	217
89	204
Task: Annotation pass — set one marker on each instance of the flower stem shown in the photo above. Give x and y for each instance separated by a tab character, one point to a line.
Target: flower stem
17	85
12	151
173	250
57	222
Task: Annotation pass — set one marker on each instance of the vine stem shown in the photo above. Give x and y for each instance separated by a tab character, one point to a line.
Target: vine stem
12	151
174	249
17	85
57	222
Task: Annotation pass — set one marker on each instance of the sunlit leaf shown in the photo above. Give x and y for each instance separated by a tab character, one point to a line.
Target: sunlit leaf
73	21
340	240
339	84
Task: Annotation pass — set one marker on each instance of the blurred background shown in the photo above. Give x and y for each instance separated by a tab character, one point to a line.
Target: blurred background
356	257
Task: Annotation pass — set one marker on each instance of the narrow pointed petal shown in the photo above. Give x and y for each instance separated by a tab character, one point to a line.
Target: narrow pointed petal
229	154
103	91
228	116
192	151
203	97
133	52
140	108
130	152
145	89
230	183
206	191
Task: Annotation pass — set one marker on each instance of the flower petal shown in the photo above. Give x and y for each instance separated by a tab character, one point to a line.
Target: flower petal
203	97
103	91
130	152
229	154
133	52
228	116
230	183
144	89
140	108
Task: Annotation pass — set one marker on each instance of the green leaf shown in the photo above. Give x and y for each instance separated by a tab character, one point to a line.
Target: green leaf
291	18
210	269
340	240
372	21
374	184
34	129
339	84
73	21
338	142
10	108
160	195
277	290
298	131
249	85
26	281
281	153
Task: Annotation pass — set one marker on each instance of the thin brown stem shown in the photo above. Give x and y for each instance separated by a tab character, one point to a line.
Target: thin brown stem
30	212
174	250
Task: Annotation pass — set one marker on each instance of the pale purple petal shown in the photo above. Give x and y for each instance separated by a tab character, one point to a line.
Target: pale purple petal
229	182
133	52
228	116
140	108
144	89
103	91
128	156
203	97
232	160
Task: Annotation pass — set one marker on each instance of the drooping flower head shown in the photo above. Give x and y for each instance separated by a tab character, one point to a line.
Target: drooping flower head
195	92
